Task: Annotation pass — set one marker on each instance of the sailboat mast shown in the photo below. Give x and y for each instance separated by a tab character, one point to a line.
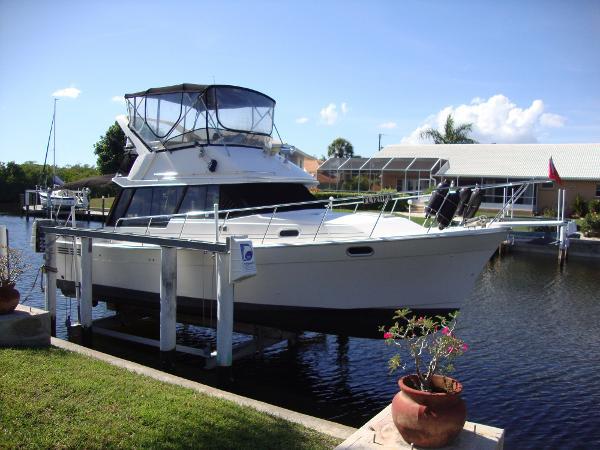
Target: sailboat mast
54	145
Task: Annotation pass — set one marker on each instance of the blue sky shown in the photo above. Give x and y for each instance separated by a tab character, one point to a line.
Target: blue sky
521	71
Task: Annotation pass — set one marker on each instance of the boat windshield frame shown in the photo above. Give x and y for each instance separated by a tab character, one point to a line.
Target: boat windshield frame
204	107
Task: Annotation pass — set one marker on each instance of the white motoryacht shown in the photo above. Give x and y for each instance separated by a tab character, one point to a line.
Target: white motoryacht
317	268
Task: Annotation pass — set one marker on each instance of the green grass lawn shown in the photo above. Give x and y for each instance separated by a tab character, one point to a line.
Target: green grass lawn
51	398
96	203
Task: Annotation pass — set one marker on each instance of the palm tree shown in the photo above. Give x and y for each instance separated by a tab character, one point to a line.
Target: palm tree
340	148
452	135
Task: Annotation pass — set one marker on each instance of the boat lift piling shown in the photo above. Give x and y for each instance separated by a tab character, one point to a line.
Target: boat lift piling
234	263
50	288
168	304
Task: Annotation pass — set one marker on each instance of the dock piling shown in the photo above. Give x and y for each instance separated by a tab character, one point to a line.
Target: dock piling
224	316
85	306
50	288
168	304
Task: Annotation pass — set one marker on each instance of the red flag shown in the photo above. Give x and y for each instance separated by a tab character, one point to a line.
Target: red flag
553	173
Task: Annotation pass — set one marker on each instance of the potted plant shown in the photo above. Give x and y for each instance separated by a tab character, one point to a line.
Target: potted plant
428	410
11	268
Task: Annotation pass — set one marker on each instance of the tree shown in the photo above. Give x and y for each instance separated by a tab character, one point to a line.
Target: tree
110	150
340	148
452	135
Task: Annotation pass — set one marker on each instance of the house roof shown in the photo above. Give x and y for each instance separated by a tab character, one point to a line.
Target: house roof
572	161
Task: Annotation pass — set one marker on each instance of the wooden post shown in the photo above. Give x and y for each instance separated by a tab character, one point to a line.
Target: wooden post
224	317
21	203
50	269
85	305
168	304
4	244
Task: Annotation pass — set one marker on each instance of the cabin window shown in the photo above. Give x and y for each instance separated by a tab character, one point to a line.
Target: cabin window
199	198
120	206
165	200
140	203
598	190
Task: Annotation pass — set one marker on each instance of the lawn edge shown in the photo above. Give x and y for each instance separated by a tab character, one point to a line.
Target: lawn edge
332	429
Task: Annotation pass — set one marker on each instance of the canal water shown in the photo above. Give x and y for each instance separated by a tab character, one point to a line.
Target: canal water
533	365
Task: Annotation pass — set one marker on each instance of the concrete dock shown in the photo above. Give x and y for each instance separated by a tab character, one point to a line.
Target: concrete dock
25	327
380	433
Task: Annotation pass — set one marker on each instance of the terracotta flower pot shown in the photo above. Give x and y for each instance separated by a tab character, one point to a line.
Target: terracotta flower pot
9	299
429	419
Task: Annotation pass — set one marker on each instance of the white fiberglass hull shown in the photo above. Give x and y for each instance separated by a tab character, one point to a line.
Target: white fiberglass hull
322	286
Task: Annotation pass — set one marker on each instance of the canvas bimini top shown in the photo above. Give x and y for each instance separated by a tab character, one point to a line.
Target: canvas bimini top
187	115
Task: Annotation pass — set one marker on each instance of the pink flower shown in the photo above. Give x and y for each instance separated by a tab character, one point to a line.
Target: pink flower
450	349
446	331
465	347
388	335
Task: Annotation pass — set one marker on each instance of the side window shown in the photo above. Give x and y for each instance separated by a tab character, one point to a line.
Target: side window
165	200
120	206
212	196
598	190
140	203
194	200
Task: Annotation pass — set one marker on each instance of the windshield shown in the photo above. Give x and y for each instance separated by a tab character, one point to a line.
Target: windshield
218	115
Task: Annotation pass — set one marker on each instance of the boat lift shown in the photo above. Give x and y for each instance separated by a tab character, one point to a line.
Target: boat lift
234	263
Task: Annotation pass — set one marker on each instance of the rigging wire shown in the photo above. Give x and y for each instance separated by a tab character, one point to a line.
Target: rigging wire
277	131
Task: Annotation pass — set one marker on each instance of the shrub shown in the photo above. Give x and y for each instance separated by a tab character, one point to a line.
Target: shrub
594	206
580	207
591	223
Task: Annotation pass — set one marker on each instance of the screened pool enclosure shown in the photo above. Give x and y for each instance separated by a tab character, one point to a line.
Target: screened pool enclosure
375	174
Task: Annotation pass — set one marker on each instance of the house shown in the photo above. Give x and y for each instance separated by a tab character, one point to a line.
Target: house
418	167
303	160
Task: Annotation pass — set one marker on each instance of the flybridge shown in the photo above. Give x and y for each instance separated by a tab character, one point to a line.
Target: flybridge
192	114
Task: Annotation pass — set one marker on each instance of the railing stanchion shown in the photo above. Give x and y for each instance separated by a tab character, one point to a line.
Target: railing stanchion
216	213
378	217
268	226
329	205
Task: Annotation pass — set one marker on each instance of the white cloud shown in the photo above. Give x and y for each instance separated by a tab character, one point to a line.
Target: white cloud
118	99
552	120
496	119
70	92
388	125
329	115
302	120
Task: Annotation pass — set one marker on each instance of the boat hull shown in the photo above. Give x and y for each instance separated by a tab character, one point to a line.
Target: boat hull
337	287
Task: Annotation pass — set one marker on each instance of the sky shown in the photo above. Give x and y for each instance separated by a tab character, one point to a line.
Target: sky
519	71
